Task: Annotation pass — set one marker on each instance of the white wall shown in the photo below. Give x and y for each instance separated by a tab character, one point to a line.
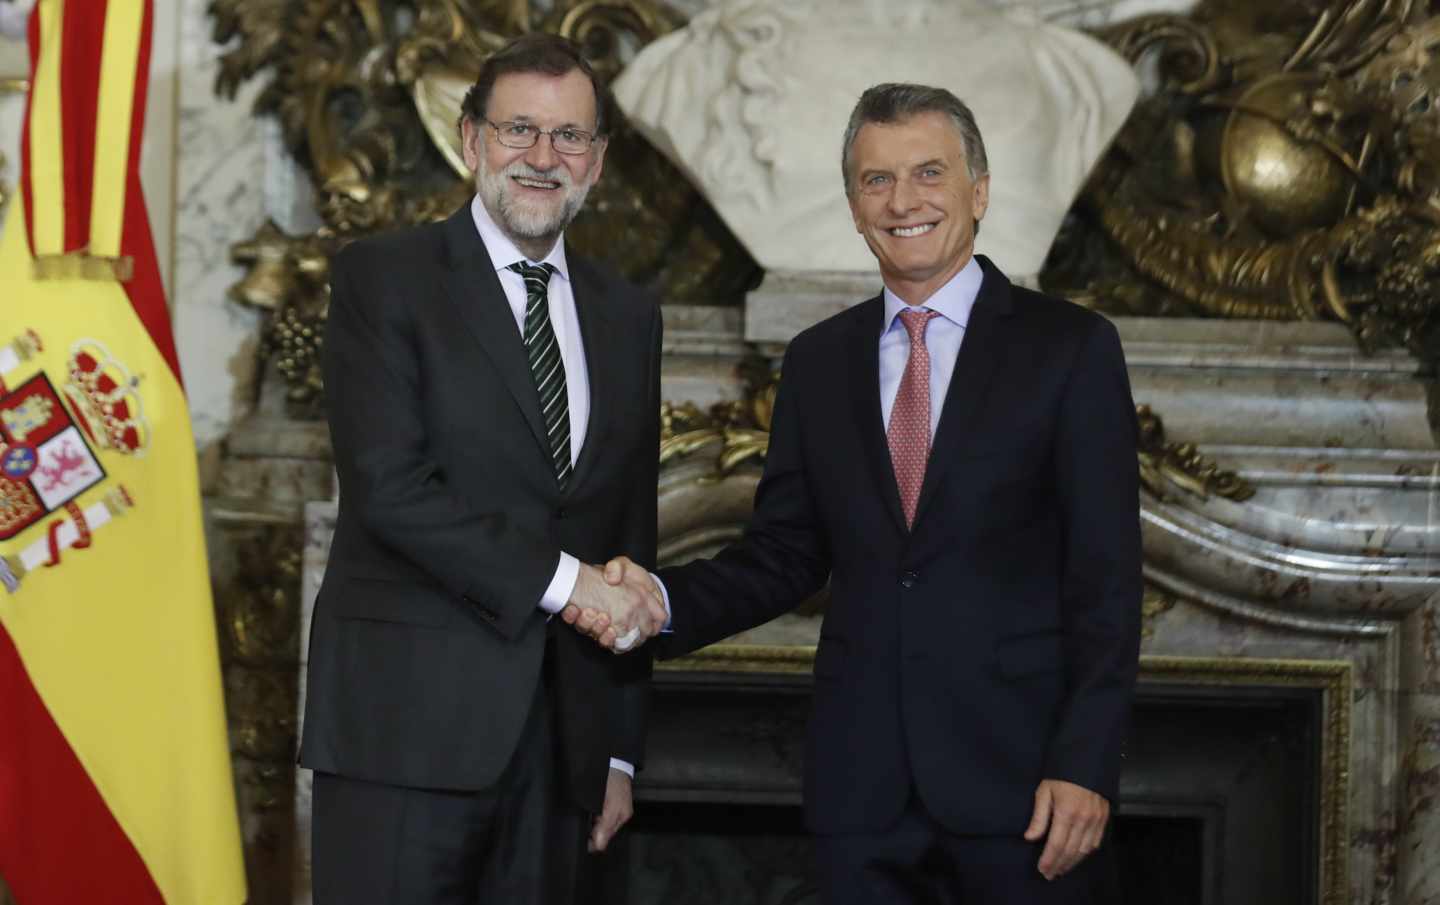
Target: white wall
218	171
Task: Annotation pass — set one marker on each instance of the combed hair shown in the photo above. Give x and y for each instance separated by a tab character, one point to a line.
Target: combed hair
893	102
537	52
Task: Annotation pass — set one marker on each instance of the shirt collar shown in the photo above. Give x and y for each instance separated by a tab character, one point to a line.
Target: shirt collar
502	250
952	301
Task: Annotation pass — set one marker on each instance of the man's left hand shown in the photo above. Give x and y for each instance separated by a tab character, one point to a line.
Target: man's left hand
1074	818
617	811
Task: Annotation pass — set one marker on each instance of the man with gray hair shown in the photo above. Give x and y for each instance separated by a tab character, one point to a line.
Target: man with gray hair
956	456
493	401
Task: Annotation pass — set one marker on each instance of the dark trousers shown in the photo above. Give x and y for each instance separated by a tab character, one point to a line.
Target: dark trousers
515	843
917	862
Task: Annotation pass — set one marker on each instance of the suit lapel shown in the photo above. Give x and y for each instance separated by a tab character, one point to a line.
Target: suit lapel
865	394
980	354
603	356
479	301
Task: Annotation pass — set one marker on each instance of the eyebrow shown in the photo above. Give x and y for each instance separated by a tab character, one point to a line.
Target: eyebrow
527	119
881	171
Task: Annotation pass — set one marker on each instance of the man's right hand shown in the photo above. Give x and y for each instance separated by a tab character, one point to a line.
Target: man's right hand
618	614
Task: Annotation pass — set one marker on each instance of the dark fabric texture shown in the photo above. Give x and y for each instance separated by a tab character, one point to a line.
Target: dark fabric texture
917	861
514	842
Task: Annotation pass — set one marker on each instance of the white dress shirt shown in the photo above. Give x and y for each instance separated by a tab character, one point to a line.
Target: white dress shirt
565	321
943	336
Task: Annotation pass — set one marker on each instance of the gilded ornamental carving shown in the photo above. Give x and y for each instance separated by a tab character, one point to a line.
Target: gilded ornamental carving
1286	167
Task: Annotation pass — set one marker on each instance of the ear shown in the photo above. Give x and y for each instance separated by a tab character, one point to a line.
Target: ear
472	144
982	196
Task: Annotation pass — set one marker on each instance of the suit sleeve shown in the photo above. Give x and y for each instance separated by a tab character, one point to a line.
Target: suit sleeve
782	559
634	670
374	407
1098	481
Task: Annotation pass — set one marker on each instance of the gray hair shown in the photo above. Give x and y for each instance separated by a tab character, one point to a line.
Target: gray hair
896	101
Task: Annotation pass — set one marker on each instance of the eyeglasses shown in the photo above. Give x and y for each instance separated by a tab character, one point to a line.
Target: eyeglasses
524	135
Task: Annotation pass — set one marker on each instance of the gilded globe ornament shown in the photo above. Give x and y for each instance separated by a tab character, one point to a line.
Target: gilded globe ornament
1287	155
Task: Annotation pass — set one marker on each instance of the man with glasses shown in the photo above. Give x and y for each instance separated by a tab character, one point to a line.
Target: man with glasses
493	401
956	457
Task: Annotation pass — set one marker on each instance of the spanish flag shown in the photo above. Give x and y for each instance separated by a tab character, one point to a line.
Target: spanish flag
115	782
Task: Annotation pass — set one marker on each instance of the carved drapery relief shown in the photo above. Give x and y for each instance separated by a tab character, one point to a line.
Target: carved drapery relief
1287	167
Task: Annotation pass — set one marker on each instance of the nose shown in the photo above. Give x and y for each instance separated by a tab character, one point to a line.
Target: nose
542	154
903	198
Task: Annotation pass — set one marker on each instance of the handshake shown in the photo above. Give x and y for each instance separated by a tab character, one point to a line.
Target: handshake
619	605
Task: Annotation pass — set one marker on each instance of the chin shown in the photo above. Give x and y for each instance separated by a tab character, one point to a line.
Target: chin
915	264
526	221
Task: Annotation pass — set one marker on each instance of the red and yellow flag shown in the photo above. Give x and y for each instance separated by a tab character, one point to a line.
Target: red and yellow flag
115	783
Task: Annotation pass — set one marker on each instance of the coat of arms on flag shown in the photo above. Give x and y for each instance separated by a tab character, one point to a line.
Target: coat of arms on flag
48	450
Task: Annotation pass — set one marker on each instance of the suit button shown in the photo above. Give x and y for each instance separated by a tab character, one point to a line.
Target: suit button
560	513
908	579
490	615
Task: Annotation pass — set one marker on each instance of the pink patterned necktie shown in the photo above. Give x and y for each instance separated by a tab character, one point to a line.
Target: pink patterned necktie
909	429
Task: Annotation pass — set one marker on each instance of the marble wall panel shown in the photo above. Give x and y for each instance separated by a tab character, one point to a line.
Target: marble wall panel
232	173
219	200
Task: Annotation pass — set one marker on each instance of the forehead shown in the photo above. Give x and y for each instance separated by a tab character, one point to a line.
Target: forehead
567	99
907	142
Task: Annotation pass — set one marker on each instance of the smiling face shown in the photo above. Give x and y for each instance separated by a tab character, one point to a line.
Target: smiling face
533	193
914	201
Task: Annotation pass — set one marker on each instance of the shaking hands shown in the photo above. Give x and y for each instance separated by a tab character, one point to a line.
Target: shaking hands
619	606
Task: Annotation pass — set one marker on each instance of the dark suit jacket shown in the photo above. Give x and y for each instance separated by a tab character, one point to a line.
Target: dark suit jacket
427	641
994	645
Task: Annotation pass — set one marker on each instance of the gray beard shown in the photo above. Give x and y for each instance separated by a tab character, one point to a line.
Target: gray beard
522	222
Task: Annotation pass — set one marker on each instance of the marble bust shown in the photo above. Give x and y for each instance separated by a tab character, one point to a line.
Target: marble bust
751	100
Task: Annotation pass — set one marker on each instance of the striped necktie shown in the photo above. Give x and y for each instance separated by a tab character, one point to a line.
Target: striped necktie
546	366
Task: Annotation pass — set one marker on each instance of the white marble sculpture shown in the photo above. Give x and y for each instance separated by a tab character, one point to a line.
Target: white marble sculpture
751	100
